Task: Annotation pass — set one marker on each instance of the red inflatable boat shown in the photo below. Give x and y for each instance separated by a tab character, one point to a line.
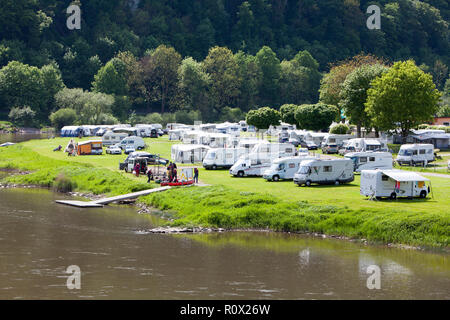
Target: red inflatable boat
175	184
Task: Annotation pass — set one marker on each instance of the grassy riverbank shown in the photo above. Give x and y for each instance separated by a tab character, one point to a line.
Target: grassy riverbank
248	202
47	172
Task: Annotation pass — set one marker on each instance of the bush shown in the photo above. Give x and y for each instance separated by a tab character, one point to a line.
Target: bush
263	118
316	117
22	116
288	113
63	117
153	118
340	128
63	184
187	117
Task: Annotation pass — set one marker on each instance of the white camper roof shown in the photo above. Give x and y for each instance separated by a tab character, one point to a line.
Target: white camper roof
189	147
404	176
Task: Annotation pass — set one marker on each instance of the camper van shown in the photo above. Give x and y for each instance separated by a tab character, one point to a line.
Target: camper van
362	144
324	172
412	154
223	157
188	153
273	150
89	148
370	160
393	184
136	142
284	168
246	166
337	139
111	138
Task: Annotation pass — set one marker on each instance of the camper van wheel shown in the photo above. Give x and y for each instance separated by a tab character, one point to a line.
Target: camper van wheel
275	178
308	183
423	194
214	167
393	196
337	182
240	174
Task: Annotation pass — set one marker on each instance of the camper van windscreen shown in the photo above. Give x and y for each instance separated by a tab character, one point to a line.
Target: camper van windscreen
304	169
211	155
405	152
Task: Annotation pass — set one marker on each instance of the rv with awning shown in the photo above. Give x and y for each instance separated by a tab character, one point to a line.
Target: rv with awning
393	184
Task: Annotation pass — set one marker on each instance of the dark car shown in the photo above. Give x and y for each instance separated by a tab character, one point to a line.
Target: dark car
309	145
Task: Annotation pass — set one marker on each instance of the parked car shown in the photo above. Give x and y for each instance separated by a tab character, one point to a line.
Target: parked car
330	148
309	145
129	149
115	149
345	150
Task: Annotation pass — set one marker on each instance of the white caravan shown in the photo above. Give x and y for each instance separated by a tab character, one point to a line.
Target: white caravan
188	153
249	143
273	150
393	184
370	160
324	172
337	139
215	140
132	142
412	154
284	168
111	138
223	157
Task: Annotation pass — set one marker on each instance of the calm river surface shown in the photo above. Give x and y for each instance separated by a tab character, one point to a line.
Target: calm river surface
40	239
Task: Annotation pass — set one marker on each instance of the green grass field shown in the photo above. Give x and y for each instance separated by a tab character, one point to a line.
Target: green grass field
246	202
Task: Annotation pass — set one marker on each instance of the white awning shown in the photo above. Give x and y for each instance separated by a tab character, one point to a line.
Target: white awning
404	176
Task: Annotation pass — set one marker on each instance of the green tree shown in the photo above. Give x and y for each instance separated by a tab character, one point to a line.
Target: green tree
111	78
271	70
317	117
340	128
63	117
402	98
288	113
222	69
22	116
250	75
354	94
161	75
263	118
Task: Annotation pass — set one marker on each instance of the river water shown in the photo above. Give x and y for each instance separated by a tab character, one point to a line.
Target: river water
40	239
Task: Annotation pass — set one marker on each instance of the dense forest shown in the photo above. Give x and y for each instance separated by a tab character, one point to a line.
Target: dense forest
215	58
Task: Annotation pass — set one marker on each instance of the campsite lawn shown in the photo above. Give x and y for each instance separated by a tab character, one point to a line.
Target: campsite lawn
245	202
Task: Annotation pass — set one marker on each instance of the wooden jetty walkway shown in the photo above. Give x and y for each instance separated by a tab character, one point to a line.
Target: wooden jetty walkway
101	202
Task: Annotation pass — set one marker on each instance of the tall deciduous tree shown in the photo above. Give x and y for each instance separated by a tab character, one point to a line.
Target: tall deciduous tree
223	71
402	98
263	118
354	94
271	69
161	75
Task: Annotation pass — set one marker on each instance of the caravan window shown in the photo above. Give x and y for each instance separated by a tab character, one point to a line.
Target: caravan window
332	140
265	149
327	169
288	150
422	151
429	151
291	165
372	159
384	177
414	152
229	156
106	138
363	160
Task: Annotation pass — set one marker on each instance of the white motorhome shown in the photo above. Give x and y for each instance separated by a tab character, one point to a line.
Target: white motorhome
412	154
111	138
362	144
132	142
296	137
246	166
337	139
223	157
273	150
249	143
188	153
370	160
324	172
192	137
215	140
284	168
393	184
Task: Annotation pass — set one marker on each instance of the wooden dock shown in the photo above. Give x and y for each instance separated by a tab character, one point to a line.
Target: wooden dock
104	201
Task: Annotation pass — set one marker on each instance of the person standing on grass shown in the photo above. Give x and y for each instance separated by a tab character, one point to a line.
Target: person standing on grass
174	175
149	175
195	175
138	169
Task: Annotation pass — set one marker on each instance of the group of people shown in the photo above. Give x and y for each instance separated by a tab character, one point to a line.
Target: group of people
172	172
170	176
